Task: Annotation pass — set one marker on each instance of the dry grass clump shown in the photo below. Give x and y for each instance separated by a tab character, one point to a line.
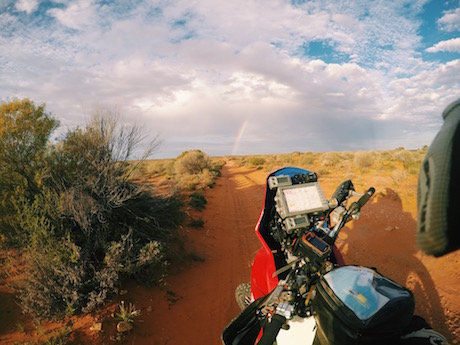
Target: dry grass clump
155	168
364	159
256	161
330	159
307	159
411	160
187	182
399	175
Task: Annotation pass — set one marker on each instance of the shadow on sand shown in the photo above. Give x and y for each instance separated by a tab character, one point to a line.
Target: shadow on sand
384	237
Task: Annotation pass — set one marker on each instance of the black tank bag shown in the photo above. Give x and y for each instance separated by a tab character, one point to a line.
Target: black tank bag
357	305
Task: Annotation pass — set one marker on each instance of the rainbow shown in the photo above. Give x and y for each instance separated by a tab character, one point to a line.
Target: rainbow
239	136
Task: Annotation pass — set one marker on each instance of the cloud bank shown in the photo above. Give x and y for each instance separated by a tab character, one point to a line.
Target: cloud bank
238	77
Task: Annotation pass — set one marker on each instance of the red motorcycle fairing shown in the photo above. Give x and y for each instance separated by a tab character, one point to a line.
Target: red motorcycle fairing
270	257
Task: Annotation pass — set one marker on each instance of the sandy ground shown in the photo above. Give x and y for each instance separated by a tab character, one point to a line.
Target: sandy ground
198	301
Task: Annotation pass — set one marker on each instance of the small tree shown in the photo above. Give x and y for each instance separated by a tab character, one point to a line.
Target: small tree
91	226
25	130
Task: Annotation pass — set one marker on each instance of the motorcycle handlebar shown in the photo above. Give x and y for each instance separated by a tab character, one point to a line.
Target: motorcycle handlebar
356	206
365	198
272	329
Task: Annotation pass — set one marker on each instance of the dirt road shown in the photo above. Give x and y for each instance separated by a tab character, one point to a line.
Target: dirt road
198	302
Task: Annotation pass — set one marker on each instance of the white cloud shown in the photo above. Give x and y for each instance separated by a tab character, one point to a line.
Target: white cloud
77	15
450	21
196	72
27	6
452	45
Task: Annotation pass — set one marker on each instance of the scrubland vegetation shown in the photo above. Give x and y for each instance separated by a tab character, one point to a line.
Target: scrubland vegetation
75	213
83	215
386	170
398	163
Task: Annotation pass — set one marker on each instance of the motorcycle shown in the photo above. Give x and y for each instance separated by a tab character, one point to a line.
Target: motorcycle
301	291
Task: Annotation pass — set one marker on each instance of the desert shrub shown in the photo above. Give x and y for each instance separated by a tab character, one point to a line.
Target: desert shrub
307	159
256	161
90	226
53	268
208	178
25	130
155	168
410	160
197	201
330	159
59	337
364	159
216	167
386	155
398	175
186	183
191	163
194	170
196	223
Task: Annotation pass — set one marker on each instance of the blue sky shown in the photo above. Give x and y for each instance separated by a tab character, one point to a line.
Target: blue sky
240	77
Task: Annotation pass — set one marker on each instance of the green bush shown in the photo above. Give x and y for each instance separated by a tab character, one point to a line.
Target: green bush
25	130
196	223
194	170
197	201
85	225
256	161
191	162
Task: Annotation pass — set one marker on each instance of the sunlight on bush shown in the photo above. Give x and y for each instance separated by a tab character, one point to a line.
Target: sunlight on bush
256	161
191	163
194	170
83	224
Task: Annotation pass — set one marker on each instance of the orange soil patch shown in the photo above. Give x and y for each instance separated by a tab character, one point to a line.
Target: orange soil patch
198	302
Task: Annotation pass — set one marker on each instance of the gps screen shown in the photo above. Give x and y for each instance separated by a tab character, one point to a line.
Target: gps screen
300	199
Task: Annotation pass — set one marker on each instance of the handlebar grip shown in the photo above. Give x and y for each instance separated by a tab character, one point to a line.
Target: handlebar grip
272	329
365	198
356	206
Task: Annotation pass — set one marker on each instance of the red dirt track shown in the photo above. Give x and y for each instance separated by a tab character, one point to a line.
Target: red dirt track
198	300
205	291
384	237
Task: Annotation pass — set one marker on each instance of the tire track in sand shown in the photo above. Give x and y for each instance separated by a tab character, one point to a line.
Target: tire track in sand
227	242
